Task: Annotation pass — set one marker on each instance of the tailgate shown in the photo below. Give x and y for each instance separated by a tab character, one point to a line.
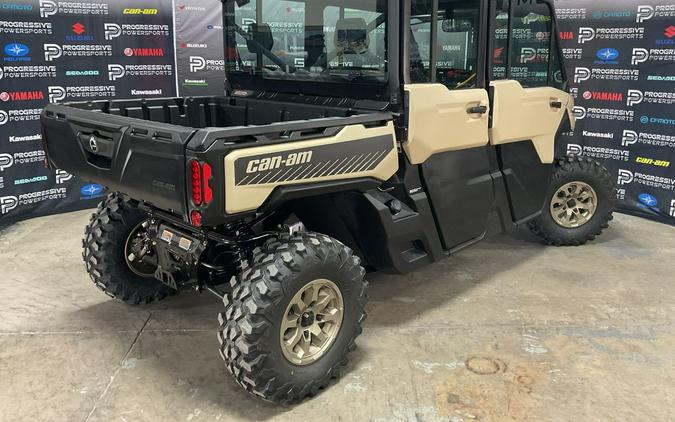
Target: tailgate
143	159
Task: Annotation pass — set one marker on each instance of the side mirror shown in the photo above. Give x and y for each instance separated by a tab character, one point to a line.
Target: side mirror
260	38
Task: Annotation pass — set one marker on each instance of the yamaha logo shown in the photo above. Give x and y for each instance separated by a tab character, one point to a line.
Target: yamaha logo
93	143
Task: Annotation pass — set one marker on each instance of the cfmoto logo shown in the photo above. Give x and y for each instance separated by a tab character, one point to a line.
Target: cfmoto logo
629	137
115	72
48	8
8	203
644	13
4	117
6	161
574	149
634	97
640	55
93	143
112	30
586	34
197	63
62	176
625	177
52	52
56	93
581	74
579	112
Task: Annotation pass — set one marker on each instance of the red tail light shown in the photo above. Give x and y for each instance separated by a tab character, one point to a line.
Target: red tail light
196	218
208	192
196	180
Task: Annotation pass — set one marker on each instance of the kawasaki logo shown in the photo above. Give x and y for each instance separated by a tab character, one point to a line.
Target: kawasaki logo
271	163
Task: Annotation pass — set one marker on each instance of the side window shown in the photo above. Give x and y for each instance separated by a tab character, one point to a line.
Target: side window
457	43
530	44
500	41
455	47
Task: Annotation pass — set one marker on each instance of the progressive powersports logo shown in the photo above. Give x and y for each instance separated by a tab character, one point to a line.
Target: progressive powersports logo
9	203
198	63
113	30
627	177
60	93
56	51
118	71
631	137
51	7
635	97
587	34
14	116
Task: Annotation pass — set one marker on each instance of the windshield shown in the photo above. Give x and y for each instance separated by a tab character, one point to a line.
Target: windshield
313	40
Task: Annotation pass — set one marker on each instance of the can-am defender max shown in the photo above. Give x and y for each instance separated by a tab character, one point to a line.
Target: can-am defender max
379	134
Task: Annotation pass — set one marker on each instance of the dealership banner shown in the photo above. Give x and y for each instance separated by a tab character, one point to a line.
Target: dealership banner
620	59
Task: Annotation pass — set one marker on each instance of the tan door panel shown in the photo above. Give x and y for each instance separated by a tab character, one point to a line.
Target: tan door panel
523	114
439	121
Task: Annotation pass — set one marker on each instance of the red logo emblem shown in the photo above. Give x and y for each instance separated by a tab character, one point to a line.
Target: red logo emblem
128	52
588	95
78	28
4	96
670	31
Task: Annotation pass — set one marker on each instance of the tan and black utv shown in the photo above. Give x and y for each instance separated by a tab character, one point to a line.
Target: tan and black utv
353	134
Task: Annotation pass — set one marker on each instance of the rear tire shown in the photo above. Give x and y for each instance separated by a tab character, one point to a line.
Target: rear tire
251	339
104	253
592	176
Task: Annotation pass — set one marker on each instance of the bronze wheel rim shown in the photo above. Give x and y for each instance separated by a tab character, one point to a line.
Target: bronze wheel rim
574	204
311	322
139	253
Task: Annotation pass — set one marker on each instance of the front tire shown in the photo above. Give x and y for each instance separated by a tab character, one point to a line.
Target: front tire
105	254
296	278
579	203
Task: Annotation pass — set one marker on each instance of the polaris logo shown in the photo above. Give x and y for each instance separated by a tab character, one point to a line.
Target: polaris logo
272	163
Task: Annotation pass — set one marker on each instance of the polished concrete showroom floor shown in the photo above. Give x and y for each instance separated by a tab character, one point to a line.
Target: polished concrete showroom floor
509	330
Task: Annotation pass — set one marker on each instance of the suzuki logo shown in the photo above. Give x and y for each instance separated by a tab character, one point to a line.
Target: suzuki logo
52	52
670	31
78	28
644	13
634	97
48	8
6	161
197	63
56	93
586	35
581	74
625	177
640	55
8	203
93	143
115	72
574	149
62	176
629	138
112	30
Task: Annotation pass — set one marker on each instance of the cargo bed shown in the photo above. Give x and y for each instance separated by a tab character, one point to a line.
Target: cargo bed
141	147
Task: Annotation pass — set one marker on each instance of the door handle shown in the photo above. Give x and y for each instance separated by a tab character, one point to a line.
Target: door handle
477	110
556	104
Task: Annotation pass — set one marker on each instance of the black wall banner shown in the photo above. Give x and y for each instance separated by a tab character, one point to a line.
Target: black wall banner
620	61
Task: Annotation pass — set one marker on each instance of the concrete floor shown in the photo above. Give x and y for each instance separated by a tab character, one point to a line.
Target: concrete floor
507	330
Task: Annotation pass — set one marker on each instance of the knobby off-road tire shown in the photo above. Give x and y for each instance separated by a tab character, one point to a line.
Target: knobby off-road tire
584	172
104	249
250	327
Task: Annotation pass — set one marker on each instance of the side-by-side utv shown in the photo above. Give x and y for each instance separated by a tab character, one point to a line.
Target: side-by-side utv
352	135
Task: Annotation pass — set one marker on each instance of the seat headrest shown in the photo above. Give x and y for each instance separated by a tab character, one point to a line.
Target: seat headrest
351	35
